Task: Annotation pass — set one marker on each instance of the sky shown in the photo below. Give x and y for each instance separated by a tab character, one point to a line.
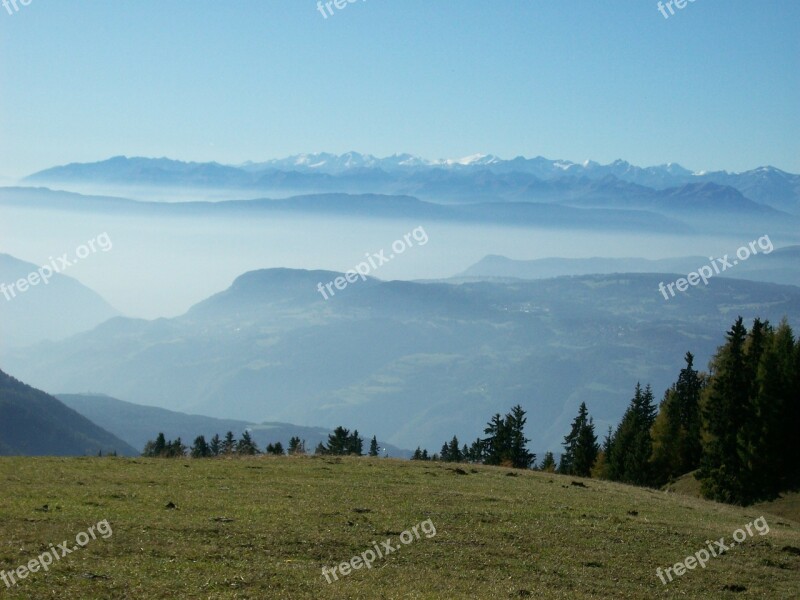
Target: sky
714	86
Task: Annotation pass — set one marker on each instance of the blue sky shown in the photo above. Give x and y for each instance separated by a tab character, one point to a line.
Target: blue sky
715	86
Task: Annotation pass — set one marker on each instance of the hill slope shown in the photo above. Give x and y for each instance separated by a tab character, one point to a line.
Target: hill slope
33	423
38	313
414	363
265	528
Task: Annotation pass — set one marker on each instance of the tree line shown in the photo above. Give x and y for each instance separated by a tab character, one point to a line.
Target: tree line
734	426
340	442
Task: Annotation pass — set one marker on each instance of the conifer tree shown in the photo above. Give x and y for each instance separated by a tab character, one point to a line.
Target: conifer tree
631	447
475	453
200	448
215	447
339	441
373	446
246	446
724	409
454	451
548	463
229	445
495	447
518	443
160	448
444	453
296	446
764	434
601	468
580	446
355	444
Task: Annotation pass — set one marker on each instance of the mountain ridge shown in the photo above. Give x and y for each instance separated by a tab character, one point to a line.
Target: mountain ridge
325	172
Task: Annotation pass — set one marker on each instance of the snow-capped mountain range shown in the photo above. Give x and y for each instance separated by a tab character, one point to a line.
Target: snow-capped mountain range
478	177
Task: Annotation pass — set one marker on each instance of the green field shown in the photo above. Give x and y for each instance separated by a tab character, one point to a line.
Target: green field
265	527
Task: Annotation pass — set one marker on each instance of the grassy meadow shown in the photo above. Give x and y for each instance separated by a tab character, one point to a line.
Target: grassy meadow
265	527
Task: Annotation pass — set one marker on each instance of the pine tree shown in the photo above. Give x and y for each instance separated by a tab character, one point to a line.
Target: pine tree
668	439
632	447
320	449
175	449
417	454
475	453
495	447
548	463
338	441
425	454
789	437
160	446
216	445
296	446
600	470
689	388
246	446
355	444
518	443
229	445
444	453
724	409
580	446
373	446
454	451
765	433
200	448
277	450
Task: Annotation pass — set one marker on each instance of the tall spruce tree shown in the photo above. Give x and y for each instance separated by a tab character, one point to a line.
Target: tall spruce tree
676	433
580	446
373	446
454	451
200	448
444	453
600	468
791	444
495	446
215	447
355	444
507	444
296	446
764	433
632	446
246	446
724	409
518	443
339	442
229	444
